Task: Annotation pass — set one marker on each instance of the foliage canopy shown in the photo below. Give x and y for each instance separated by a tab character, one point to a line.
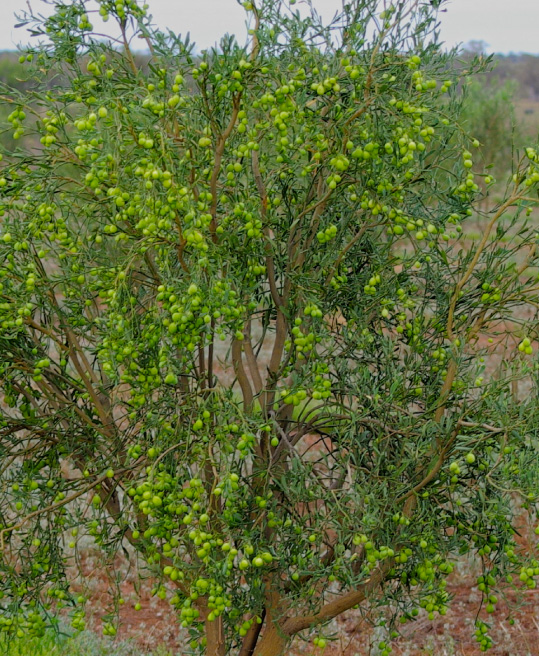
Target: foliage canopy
244	335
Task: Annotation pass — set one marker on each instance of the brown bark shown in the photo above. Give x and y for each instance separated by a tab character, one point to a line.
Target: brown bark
278	635
273	642
239	370
250	640
267	399
215	637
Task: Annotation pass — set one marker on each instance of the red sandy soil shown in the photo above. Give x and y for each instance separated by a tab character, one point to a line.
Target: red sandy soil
452	635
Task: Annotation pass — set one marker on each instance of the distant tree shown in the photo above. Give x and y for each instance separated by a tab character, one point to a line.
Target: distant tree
13	73
14	80
488	113
475	48
520	69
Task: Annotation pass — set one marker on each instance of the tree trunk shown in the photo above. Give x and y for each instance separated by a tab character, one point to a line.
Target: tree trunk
273	643
250	640
215	637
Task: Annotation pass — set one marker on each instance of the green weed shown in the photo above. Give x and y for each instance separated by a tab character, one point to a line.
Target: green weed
83	644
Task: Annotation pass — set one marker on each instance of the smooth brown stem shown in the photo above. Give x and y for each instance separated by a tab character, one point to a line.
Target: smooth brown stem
275	361
274	639
215	638
270	268
36	326
277	636
256	43
445	390
431	474
210	354
127	49
201	366
337	606
252	364
249	642
273	642
239	370
357	114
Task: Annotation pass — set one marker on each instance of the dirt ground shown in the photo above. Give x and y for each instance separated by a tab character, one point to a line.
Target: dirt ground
155	625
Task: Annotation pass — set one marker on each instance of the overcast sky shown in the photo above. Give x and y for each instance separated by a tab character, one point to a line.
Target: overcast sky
505	25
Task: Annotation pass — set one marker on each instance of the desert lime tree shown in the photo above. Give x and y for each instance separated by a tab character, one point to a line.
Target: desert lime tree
244	338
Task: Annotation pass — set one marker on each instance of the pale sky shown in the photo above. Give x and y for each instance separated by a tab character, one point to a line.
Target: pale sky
505	25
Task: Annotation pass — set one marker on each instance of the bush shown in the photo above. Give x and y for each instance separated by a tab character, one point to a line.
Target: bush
489	115
241	337
53	643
